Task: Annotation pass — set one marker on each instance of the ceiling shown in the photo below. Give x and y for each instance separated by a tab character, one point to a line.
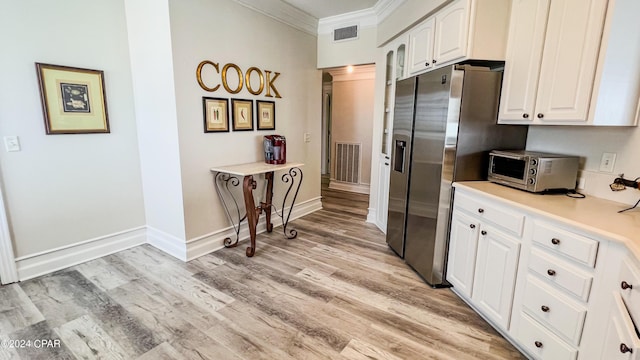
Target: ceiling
325	8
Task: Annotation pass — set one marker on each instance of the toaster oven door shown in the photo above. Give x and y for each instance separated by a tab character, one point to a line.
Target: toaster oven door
510	169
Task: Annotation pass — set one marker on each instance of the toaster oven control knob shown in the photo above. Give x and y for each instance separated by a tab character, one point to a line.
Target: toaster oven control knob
532	171
532	181
534	162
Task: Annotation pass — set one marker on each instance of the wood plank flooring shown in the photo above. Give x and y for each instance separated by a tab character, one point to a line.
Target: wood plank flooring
334	292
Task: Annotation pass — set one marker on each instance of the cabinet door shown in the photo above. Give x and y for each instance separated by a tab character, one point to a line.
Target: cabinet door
383	192
452	32
421	46
621	340
571	48
463	243
524	55
496	268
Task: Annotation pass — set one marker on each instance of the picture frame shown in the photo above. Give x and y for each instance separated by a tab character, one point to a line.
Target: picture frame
215	114
242	110
266	115
73	99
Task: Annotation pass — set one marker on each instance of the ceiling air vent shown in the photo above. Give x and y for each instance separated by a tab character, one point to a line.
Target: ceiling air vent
345	33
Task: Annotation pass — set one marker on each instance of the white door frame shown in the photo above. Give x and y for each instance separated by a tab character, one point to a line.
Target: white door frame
8	270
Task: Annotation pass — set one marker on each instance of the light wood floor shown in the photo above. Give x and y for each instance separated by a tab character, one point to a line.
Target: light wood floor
335	292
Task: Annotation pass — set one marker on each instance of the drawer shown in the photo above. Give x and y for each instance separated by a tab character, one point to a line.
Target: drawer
579	248
620	340
562	315
630	289
561	274
507	219
540	343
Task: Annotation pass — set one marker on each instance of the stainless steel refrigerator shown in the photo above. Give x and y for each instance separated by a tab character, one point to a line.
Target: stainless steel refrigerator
444	125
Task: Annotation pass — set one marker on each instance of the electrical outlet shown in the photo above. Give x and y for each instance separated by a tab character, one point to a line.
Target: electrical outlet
307	137
11	143
607	162
581	183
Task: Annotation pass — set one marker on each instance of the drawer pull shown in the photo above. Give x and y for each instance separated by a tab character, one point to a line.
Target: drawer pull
544	308
625	285
551	272
555	241
538	344
481	210
483	232
625	349
473	226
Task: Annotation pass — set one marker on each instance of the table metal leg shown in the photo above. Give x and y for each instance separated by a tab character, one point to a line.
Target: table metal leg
266	205
290	178
222	182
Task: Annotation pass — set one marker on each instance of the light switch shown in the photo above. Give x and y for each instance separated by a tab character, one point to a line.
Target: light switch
12	143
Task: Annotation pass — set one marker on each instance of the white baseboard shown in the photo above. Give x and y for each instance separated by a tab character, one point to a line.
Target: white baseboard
168	243
214	241
56	259
372	215
356	188
63	257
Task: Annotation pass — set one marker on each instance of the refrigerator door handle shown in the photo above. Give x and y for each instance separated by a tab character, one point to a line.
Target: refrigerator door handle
399	155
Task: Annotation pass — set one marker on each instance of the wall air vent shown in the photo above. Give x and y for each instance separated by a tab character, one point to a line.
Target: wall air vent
345	33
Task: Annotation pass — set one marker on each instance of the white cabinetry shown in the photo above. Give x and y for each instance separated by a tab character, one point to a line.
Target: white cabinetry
464	29
564	55
483	256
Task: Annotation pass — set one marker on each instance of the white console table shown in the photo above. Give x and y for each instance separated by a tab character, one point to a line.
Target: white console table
225	176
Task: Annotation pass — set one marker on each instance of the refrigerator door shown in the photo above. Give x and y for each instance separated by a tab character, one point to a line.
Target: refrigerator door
434	141
400	162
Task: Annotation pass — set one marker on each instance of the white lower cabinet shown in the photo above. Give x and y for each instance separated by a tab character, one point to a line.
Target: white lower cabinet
545	284
495	274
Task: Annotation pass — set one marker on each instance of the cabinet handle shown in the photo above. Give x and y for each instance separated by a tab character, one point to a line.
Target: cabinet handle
625	285
551	272
483	232
625	349
433	61
555	241
540	115
386	163
427	64
473	226
538	344
525	115
544	308
481	210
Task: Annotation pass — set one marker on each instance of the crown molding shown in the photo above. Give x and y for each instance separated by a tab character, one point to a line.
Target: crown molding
284	13
384	8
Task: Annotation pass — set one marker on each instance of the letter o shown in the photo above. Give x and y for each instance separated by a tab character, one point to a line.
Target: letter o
247	80
224	78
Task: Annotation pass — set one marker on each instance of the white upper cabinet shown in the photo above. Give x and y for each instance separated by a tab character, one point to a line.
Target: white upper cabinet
559	58
464	29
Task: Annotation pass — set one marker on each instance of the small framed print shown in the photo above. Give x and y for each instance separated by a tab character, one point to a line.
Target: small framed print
73	99
216	114
266	112
242	114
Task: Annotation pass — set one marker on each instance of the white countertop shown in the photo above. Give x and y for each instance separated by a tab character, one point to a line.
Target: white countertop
259	167
592	214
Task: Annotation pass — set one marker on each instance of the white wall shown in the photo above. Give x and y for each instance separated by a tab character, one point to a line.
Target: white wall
64	189
224	32
152	66
589	143
352	116
350	52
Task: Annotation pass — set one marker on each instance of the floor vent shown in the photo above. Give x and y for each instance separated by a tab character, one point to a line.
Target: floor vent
348	157
345	33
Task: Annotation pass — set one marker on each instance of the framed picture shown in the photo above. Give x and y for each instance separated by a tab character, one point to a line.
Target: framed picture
73	100
266	112
216	114
242	114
